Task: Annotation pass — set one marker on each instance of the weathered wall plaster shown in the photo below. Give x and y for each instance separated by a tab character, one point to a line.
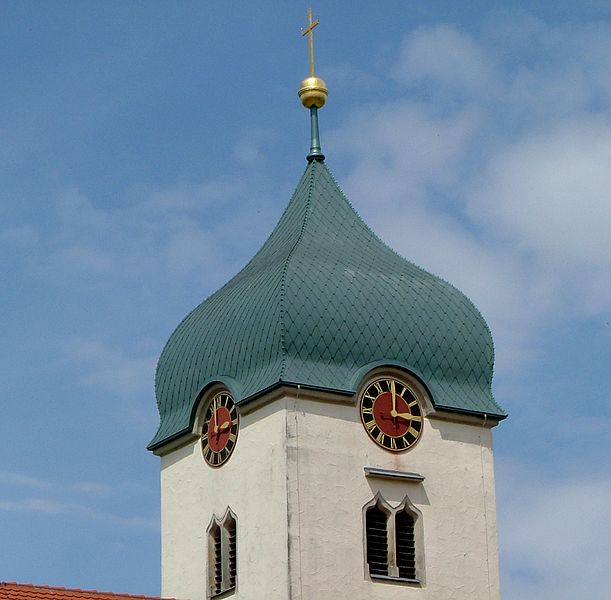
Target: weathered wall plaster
297	485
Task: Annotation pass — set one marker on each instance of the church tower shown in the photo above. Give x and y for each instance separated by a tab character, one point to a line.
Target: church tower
326	420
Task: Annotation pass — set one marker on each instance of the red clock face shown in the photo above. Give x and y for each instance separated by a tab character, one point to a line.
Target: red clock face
391	414
220	429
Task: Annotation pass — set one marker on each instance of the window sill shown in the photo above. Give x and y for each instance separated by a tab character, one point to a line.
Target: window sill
394	579
224	594
390	474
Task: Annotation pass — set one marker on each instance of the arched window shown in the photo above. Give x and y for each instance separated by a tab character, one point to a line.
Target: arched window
393	541
376	526
232	550
405	546
215	560
222	554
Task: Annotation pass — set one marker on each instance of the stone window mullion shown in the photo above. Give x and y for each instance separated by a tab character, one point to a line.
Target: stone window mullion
393	569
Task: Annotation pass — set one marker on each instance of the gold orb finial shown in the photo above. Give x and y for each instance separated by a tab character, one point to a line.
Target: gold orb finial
313	90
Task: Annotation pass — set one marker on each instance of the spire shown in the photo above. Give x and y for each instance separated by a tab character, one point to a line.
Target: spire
313	93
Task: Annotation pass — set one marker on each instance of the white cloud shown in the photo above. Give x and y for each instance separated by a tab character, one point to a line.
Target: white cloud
19	479
251	146
110	368
554	536
561	70
21	236
552	192
77	214
86	258
401	150
549	195
450	58
71	499
347	77
149	238
10	478
48	507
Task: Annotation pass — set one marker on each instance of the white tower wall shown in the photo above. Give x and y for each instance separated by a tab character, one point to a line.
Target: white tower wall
296	483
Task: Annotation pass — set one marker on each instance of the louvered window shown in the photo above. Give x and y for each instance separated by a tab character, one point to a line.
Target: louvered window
217	561
405	545
377	540
222	555
232	547
391	542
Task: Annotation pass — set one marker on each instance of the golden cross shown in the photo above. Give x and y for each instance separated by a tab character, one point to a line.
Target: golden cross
309	32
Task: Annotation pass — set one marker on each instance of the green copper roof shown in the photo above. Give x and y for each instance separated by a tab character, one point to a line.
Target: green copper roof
322	302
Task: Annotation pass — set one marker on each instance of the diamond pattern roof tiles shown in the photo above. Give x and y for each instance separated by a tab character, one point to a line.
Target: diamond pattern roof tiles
323	301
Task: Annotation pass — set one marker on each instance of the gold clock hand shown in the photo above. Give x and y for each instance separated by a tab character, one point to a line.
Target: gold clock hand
408	416
216	428
394	398
225	425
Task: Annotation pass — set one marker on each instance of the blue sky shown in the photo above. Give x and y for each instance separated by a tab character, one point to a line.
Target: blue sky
147	150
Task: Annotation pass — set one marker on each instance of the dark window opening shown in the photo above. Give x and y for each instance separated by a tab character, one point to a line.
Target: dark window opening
377	541
232	546
405	545
216	560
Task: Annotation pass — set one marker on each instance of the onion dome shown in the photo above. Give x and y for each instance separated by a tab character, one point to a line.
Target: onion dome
323	302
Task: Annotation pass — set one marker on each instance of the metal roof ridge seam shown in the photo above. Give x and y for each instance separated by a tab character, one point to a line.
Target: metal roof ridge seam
312	168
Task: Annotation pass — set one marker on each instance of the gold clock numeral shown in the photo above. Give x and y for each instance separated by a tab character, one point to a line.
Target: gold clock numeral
367	403
399	407
220	427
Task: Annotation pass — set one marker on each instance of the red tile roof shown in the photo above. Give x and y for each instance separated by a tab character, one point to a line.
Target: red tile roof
26	591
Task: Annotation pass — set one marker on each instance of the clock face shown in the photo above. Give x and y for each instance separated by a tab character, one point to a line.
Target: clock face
391	414
220	429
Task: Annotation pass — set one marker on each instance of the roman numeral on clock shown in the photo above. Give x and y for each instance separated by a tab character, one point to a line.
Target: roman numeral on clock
391	414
